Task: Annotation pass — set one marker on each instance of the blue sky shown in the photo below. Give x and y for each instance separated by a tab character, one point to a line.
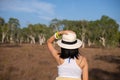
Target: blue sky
42	11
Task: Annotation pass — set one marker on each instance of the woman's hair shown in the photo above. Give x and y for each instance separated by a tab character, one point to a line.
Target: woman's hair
69	53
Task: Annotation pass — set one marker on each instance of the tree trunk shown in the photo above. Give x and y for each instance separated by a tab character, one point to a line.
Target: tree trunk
83	35
102	41
11	39
21	40
41	39
32	39
3	36
83	39
89	42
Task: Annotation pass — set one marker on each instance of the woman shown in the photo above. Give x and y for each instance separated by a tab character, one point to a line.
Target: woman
71	64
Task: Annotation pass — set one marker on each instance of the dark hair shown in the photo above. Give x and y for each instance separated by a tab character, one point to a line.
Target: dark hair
69	53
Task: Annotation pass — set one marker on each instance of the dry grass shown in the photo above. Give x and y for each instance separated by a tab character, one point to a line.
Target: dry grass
34	62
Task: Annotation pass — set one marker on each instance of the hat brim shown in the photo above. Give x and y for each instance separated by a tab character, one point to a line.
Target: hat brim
69	46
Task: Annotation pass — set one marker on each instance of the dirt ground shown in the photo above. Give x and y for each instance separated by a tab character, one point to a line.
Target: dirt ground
34	62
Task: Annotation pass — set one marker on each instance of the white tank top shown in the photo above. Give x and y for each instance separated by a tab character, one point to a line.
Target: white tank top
69	69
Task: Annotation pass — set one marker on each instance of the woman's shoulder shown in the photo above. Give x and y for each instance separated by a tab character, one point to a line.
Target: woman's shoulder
82	57
82	61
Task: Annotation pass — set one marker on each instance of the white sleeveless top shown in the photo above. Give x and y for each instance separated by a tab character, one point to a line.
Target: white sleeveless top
69	69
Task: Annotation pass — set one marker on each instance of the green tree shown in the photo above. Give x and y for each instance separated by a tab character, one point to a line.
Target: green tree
55	25
80	27
109	31
4	29
14	26
36	33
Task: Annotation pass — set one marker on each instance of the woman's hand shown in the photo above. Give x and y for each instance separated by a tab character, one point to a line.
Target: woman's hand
51	48
65	32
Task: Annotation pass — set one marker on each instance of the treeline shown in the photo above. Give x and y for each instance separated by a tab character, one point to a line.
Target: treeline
100	33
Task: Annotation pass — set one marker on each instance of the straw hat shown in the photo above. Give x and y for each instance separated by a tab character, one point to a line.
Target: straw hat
69	41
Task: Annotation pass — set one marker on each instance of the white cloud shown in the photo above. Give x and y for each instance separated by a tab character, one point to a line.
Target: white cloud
45	18
27	6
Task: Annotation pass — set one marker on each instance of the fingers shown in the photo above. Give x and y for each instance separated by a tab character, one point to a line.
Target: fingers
69	31
66	32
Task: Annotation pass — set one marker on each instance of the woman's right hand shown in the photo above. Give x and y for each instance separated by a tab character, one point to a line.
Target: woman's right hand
65	32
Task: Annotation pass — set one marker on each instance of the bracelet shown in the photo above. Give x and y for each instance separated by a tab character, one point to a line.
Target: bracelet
56	35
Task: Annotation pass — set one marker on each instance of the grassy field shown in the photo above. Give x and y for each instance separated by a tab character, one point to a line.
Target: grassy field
34	62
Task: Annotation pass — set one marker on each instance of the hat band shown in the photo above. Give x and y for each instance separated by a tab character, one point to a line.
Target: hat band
69	42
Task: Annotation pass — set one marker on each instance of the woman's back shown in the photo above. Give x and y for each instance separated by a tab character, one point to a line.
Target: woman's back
69	68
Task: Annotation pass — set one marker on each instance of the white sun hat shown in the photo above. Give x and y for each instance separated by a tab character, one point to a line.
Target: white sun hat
69	41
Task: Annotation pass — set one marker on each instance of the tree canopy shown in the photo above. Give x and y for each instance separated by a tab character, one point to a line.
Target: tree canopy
102	33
